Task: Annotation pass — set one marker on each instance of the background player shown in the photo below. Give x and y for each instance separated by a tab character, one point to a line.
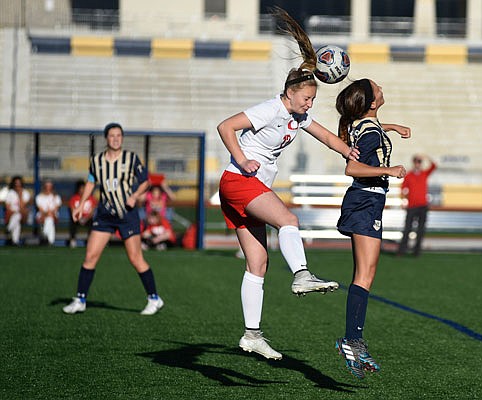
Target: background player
362	207
247	201
116	171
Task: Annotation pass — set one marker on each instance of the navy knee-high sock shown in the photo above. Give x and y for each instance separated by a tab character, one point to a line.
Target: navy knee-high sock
85	279
147	278
356	309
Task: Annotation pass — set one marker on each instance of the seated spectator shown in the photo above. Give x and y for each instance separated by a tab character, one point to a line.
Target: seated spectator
17	208
87	212
48	204
3	194
158	234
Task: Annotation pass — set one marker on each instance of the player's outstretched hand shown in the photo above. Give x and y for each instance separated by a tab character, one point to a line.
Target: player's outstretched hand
404	131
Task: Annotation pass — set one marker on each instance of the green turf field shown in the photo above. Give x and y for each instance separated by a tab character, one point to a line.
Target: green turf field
189	350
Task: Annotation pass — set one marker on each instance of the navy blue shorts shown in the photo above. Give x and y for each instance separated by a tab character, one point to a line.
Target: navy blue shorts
361	213
128	226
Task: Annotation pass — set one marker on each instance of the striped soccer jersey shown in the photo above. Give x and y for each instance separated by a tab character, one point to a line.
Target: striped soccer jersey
117	179
375	149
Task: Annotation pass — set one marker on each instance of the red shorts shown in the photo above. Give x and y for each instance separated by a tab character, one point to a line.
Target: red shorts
236	191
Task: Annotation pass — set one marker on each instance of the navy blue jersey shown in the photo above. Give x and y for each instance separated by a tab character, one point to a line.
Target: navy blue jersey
375	149
117	179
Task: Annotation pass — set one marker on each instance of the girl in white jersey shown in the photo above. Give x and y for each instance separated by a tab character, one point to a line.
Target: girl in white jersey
247	201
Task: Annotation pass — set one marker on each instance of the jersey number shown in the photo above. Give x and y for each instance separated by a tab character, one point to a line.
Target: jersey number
112	184
286	141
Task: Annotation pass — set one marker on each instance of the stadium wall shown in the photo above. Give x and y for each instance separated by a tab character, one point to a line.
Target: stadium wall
187	17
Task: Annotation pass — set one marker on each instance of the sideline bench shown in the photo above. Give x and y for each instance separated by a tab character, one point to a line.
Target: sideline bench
317	200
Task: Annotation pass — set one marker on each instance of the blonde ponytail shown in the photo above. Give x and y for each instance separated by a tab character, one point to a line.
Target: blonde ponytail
292	28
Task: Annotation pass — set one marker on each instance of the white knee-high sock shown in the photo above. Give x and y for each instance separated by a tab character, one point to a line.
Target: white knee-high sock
291	246
252	300
14	227
49	229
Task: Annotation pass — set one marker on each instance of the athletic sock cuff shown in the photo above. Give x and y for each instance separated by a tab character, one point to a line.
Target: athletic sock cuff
358	290
288	228
253	278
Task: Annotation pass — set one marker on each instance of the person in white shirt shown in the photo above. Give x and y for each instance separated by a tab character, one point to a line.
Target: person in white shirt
17	208
48	204
247	201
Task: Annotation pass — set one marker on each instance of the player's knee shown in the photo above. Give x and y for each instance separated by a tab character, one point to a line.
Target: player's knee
138	262
290	219
257	266
91	259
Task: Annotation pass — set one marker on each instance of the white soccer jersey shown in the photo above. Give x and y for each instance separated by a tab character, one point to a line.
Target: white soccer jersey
274	128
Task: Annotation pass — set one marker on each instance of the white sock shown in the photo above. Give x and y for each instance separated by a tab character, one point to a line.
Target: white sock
252	299
49	229
14	227
291	247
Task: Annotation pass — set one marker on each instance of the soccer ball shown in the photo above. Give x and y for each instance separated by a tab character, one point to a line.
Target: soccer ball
332	64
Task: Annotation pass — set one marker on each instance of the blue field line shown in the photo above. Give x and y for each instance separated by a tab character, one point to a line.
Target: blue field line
452	324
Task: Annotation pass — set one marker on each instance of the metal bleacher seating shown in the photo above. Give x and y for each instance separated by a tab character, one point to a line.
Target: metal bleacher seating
169	93
317	200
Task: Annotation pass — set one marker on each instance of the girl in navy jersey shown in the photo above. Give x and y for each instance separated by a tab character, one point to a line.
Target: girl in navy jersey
116	171
247	201
361	211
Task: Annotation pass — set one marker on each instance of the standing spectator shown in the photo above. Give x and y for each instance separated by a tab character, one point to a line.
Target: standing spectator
48	204
117	171
362	207
157	198
87	212
416	201
17	209
247	200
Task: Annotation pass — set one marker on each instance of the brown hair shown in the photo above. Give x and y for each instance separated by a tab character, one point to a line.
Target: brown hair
352	103
302	76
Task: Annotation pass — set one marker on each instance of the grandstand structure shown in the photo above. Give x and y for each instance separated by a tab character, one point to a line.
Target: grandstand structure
148	76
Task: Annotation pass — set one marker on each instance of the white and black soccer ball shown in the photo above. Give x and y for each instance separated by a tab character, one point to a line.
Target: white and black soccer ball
332	64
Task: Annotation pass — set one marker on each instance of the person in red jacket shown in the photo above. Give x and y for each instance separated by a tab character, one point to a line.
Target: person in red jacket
415	195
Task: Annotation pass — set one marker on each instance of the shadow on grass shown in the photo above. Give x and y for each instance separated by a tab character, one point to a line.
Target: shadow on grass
93	304
187	356
319	379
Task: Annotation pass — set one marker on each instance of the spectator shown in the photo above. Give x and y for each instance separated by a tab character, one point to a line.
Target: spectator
17	209
158	197
415	196
87	212
48	204
159	233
